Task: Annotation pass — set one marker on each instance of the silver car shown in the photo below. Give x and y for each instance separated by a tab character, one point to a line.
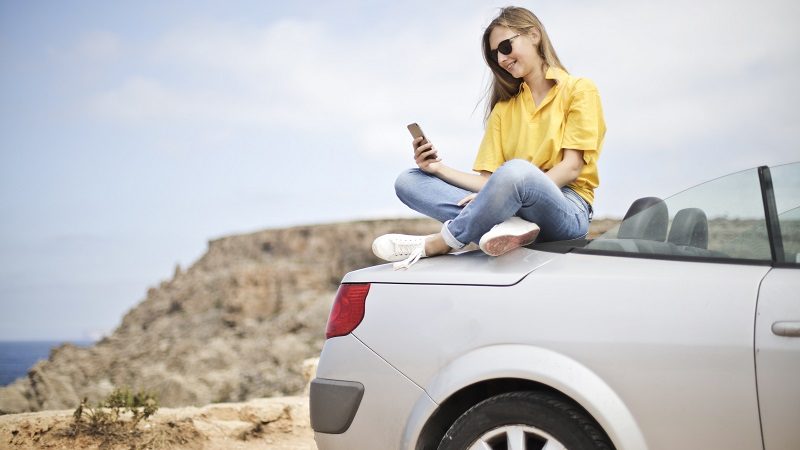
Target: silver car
677	329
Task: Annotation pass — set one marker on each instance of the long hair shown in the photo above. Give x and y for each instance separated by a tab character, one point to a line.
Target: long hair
503	86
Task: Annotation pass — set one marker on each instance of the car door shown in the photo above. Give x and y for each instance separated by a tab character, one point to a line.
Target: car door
778	358
749	218
777	349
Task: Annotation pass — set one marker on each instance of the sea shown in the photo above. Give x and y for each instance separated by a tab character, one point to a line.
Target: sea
17	357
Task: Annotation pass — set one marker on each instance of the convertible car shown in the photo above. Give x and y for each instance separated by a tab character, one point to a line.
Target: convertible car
677	329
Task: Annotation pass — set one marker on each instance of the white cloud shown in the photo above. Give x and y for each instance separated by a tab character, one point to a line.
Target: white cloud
671	75
98	45
680	70
147	99
297	76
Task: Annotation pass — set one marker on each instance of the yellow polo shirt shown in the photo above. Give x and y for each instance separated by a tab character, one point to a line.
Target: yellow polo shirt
570	116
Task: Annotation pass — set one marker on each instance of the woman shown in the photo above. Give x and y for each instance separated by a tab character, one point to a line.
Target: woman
536	166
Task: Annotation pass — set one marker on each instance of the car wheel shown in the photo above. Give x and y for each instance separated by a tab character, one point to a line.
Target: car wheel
525	421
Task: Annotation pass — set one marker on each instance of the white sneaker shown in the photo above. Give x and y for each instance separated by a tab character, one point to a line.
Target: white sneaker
506	236
403	248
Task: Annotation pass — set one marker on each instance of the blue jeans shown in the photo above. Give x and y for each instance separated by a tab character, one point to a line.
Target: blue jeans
517	188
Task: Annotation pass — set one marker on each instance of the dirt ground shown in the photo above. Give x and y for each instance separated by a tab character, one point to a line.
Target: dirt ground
279	423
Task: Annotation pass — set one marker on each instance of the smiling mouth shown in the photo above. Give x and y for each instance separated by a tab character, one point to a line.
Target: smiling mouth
510	65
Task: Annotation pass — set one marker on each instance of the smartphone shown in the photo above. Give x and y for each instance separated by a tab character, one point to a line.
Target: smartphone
416	132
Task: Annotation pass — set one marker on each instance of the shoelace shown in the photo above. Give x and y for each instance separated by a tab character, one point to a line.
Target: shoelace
415	255
406	246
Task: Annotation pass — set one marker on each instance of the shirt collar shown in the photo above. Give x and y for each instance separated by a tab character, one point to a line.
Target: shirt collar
552	73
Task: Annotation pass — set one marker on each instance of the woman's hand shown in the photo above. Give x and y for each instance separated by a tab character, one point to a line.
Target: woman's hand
466	200
425	156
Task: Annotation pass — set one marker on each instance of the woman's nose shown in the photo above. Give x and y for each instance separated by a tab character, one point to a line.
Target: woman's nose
501	58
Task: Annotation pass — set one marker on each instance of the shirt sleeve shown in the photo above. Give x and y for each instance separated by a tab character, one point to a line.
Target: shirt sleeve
490	153
585	127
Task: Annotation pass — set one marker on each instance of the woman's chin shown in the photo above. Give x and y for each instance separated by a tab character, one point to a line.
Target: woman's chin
515	72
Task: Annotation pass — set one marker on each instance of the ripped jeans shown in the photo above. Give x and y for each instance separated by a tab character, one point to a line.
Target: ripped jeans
517	188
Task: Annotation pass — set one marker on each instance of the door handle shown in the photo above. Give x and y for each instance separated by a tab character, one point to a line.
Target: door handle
788	329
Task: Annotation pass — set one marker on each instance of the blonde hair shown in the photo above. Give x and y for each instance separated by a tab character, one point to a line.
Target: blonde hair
503	86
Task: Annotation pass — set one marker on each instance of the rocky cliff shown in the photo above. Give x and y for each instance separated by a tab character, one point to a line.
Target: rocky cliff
236	325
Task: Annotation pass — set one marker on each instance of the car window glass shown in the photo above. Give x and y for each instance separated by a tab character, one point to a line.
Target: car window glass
786	186
722	218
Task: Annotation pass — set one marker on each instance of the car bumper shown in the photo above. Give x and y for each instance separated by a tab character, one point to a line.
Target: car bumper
354	385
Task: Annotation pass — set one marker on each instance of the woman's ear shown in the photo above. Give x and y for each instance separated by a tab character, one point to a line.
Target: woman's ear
536	37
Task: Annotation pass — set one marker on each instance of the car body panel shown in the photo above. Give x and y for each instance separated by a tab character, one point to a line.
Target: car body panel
374	425
690	343
778	359
549	368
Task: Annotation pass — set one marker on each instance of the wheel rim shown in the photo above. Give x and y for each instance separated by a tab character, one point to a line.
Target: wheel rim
517	437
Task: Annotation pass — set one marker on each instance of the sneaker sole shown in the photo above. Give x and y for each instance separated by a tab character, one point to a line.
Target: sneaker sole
502	244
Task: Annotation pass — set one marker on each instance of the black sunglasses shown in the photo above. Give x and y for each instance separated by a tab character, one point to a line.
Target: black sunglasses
503	47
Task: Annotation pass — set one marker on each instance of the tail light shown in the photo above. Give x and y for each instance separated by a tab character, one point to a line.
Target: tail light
348	309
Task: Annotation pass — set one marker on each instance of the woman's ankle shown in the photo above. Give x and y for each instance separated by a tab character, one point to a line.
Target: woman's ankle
435	245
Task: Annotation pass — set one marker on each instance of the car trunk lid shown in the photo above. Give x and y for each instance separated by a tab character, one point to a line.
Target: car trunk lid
471	268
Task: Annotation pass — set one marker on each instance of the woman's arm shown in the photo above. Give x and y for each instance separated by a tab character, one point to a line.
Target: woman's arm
469	181
435	166
568	169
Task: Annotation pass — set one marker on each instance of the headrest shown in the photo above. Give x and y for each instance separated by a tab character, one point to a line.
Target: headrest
647	218
689	227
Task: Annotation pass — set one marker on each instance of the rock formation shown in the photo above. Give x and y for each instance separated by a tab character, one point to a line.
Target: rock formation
236	325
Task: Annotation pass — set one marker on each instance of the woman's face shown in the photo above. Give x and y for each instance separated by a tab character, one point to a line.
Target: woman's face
523	57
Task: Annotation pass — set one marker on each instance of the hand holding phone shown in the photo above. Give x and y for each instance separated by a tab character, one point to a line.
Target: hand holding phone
416	132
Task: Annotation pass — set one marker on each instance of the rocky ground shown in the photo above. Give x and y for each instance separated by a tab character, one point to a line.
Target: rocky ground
279	423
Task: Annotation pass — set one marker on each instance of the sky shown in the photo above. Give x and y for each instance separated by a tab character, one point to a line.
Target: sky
131	133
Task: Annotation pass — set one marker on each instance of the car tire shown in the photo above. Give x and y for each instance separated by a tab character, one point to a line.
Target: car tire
535	420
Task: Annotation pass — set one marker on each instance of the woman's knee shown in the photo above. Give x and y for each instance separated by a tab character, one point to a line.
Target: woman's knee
408	182
516	172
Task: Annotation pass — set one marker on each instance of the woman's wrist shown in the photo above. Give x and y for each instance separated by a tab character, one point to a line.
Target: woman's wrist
434	168
441	170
